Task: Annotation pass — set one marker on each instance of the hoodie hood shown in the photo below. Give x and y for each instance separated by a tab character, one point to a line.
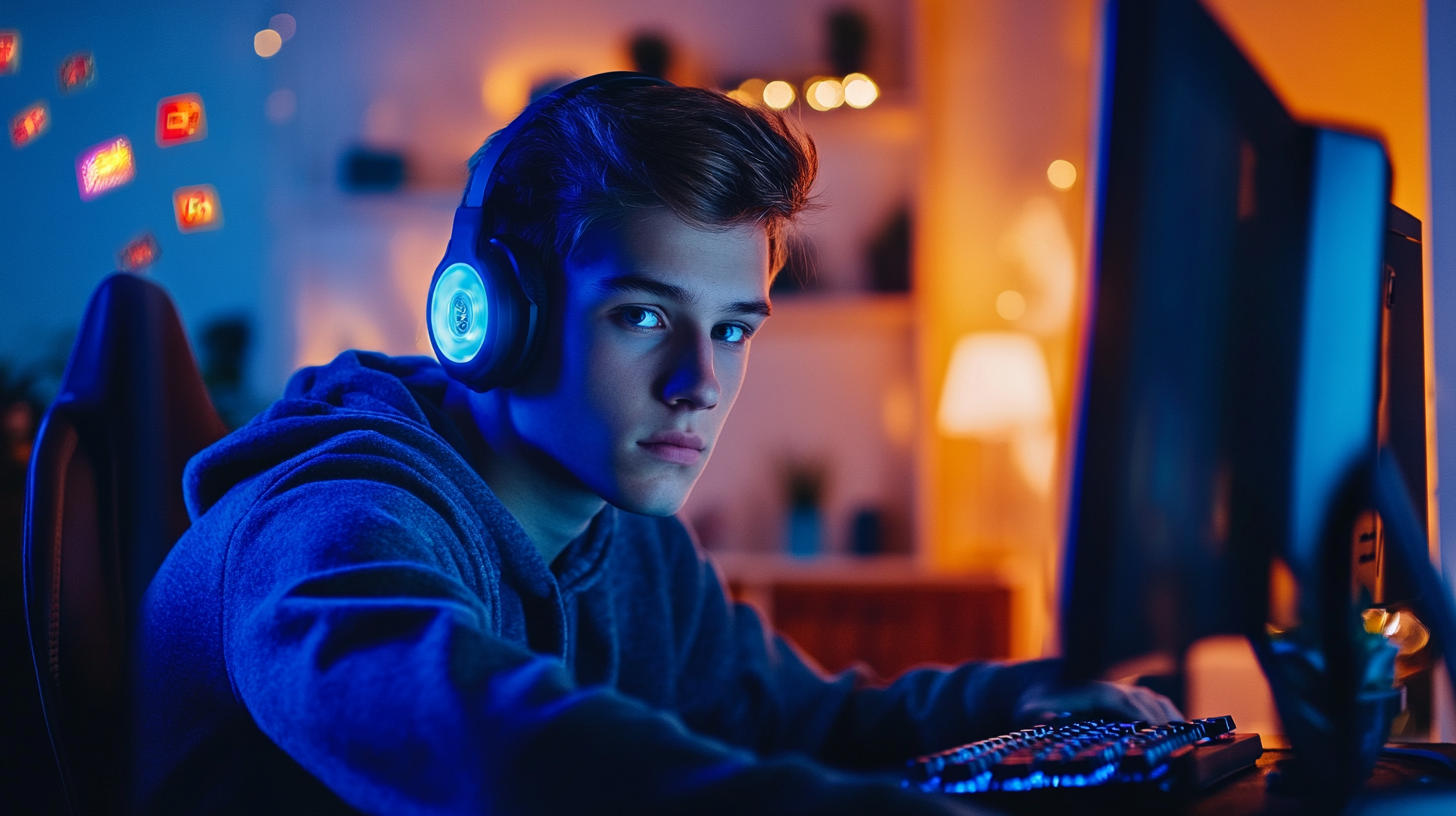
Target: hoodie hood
358	390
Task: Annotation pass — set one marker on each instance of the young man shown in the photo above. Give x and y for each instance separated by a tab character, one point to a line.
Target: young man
400	595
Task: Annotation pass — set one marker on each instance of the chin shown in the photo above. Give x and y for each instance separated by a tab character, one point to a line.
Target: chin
652	499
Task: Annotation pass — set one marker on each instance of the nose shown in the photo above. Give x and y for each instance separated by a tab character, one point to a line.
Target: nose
691	381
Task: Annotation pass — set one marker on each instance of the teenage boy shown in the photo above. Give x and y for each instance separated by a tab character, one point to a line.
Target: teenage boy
401	595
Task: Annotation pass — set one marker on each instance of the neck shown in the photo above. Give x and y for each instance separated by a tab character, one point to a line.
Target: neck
550	503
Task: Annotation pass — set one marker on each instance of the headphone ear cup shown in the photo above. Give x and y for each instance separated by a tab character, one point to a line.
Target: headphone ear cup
529	272
478	317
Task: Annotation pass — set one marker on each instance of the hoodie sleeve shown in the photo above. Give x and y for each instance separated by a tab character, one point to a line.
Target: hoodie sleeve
354	641
752	688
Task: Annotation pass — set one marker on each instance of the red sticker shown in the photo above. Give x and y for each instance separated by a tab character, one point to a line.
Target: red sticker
180	119
29	124
105	167
77	71
197	208
139	253
9	51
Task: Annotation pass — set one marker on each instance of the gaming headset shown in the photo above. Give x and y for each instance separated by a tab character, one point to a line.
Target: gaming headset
487	299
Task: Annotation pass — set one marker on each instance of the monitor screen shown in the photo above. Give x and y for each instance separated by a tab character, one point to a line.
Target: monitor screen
1228	313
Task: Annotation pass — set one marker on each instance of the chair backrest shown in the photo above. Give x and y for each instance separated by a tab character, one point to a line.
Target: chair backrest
103	508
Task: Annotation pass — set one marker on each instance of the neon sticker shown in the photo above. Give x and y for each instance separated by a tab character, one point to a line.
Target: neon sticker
29	124
197	208
180	119
9	51
77	71
105	167
139	253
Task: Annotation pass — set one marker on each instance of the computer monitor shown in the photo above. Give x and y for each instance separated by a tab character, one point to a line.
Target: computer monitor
1228	405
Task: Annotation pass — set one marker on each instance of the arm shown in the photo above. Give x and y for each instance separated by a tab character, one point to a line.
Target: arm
354	639
756	690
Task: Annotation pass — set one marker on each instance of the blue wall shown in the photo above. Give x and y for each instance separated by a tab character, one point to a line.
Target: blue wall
54	247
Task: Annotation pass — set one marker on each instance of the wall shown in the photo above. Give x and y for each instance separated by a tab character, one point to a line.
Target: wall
1006	87
54	247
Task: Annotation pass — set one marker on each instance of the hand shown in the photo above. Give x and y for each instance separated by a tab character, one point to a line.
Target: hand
1096	700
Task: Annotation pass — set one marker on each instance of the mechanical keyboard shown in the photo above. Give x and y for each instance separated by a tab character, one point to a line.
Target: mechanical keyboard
1127	757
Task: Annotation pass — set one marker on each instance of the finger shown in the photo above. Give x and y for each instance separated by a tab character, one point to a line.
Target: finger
1149	705
1173	712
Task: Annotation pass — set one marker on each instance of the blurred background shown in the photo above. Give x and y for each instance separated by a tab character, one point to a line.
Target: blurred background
890	486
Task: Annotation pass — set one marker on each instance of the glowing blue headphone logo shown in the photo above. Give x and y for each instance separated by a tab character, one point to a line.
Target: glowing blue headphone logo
458	315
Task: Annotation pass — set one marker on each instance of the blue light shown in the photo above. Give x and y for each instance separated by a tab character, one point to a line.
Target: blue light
458	314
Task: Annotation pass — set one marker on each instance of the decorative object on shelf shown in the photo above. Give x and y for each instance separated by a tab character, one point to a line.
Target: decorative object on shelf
651	54
364	170
849	39
804	481
800	270
866	534
888	254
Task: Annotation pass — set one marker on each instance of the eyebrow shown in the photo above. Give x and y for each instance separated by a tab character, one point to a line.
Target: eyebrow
650	286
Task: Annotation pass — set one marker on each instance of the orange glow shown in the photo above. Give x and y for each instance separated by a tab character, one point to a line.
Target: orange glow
860	91
9	51
105	167
778	94
29	123
77	71
1062	174
197	208
267	42
180	119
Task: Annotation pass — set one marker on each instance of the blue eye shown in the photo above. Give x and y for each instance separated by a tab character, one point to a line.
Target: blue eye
640	318
732	333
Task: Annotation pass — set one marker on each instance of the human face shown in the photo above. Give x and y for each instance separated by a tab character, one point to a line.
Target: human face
649	354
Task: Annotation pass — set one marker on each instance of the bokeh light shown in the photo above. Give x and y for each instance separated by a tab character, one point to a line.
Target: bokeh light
1062	174
860	91
284	24
778	94
267	42
824	94
749	91
1010	304
281	105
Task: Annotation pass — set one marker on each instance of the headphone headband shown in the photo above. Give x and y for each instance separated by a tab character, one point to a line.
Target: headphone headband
482	177
487	300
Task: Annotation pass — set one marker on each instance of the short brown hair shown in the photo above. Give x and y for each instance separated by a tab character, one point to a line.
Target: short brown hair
711	161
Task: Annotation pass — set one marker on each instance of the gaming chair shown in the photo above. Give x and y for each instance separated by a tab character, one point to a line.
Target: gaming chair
103	508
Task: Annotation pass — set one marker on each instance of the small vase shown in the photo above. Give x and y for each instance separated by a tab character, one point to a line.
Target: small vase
806	531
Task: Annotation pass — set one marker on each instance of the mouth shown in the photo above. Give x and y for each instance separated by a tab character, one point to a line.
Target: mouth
675	447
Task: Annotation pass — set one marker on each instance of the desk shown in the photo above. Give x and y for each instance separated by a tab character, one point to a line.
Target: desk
1248	793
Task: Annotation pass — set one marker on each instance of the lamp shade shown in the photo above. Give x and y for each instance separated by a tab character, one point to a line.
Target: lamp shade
997	383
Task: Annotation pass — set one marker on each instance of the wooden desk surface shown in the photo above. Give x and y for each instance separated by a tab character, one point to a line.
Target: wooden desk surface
1248	793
